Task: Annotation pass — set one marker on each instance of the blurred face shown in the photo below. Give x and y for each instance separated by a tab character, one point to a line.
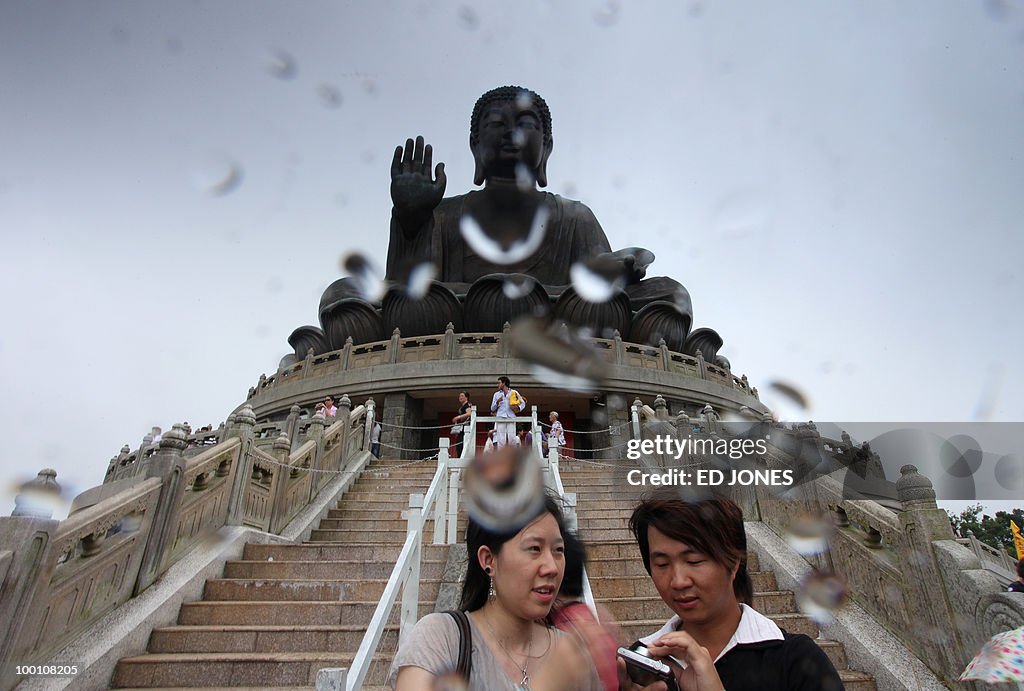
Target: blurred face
328	402
528	569
697	588
552	417
501	385
462	398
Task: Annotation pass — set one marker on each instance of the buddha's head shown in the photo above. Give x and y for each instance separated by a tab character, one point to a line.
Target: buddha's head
510	128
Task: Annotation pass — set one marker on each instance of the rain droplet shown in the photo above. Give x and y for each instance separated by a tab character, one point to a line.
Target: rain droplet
330	95
420	278
524	179
468	18
218	176
516	287
1009	473
341	200
607	15
740	214
504	489
616	402
569	189
564	358
598	279
524	101
492	251
282	65
819	596
367	276
600	417
810	535
275	285
370	87
791	392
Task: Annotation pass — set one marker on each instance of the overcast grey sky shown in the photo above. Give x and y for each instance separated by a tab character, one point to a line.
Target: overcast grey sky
837	184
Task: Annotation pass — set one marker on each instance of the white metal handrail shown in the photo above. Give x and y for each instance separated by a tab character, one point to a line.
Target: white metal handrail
570	499
406	573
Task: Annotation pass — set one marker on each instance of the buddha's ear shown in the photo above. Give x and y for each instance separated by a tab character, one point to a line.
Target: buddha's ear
478	170
542	169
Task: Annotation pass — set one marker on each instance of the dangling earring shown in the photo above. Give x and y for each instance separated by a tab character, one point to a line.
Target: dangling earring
490	588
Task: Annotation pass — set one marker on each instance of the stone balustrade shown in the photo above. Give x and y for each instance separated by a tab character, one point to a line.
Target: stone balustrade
60	577
470	346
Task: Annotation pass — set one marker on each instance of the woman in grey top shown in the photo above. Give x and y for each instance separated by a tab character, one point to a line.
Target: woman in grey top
511	584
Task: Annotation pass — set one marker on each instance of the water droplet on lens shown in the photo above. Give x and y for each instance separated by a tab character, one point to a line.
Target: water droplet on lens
218	176
420	278
492	251
330	95
524	101
810	535
791	392
504	489
607	15
740	214
561	380
516	287
600	417
282	65
367	276
275	285
524	179
468	18
558	356
820	595
518	137
1009	473
616	402
598	279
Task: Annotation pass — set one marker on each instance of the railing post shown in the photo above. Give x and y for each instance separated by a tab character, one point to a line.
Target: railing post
620	349
411	587
635	415
448	350
453	504
371	416
394	346
279	486
346	353
169	465
441	501
242	426
344	415
291	424
553	452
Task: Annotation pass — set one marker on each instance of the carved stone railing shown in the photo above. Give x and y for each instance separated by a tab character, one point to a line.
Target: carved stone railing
904	566
469	346
58	578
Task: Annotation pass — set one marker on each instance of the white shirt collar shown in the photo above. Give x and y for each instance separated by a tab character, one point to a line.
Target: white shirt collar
754	627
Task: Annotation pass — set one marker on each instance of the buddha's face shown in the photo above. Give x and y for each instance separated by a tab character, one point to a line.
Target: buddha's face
510	133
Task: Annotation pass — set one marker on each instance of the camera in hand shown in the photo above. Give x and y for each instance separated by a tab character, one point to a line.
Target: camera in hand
646	670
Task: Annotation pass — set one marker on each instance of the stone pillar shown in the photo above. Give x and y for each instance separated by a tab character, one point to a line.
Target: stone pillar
26	567
399	413
448	350
316	434
925	591
394	346
661	407
346	353
620	349
241	425
279	487
168	464
291	424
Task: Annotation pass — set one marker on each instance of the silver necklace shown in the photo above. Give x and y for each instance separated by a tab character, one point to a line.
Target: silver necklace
524	685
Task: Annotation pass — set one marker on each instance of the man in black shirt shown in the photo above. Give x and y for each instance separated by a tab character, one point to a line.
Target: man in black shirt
460	421
696	554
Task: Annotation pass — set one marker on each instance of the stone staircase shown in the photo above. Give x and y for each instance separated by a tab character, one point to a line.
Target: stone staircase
620	583
282	612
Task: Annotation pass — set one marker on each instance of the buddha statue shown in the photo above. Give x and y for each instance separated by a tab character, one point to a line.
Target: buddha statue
509	233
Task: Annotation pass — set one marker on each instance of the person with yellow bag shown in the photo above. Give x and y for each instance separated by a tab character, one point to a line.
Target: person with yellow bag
506	403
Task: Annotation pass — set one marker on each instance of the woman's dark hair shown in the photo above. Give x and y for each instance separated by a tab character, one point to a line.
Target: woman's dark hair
575	560
711	526
474	589
1020	568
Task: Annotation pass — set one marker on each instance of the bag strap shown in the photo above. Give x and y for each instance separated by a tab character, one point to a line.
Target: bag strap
465	662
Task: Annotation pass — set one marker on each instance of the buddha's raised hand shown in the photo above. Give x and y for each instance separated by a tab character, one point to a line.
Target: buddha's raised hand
414	193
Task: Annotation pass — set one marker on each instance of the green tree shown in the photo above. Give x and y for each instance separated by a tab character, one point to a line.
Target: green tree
992	530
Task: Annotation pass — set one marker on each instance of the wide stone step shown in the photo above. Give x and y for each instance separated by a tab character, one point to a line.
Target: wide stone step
397	496
645	607
793	623
253	670
365	550
241	613
265	639
593	534
641	585
323	569
368	534
305	590
372	523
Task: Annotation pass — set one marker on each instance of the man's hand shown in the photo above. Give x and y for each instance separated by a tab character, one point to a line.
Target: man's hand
413	192
700	673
